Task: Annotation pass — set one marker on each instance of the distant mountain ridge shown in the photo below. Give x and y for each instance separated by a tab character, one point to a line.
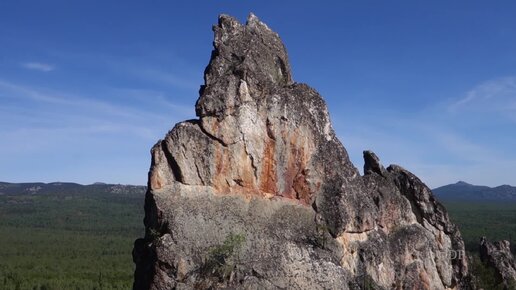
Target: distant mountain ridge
456	191
69	188
465	191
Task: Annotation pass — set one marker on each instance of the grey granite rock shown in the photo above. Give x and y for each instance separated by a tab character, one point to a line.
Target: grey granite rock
258	192
498	256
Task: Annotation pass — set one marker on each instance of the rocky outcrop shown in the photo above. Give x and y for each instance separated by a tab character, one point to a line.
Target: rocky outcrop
258	192
498	256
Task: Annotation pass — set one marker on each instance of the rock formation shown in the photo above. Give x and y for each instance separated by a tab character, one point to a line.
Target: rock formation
498	256
258	192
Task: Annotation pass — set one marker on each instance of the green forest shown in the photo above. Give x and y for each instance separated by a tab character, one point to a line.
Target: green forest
495	220
68	241
84	241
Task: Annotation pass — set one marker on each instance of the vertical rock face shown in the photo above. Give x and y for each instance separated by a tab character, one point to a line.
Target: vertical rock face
258	193
498	256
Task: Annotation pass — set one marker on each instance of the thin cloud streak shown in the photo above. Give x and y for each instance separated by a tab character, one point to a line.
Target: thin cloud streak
49	133
496	95
433	145
156	98
38	66
168	78
444	157
460	147
28	112
67	100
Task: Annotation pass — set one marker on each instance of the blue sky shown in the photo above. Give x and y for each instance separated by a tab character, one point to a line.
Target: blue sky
87	87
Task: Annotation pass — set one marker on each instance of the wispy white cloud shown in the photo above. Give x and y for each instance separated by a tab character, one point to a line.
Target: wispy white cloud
11	89
39	66
84	103
168	78
440	157
463	149
437	146
47	132
60	113
155	67
498	95
157	98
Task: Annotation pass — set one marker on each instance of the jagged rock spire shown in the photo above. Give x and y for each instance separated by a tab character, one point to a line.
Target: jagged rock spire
250	53
372	163
258	192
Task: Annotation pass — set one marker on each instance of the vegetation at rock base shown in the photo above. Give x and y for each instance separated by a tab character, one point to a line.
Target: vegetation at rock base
222	259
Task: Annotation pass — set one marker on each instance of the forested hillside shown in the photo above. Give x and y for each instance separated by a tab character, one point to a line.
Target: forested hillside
68	241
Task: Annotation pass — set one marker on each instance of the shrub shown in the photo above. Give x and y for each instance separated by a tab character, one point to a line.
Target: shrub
222	259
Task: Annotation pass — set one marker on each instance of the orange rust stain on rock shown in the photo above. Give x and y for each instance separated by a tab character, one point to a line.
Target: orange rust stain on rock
221	170
296	184
235	174
157	161
268	170
292	167
424	281
155	180
246	175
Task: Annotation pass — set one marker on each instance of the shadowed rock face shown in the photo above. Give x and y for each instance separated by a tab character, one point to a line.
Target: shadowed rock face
258	193
498	256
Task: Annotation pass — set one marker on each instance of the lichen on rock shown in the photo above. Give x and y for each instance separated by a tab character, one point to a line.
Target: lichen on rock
262	161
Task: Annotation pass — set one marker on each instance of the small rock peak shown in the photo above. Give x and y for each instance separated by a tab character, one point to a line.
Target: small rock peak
251	18
463	183
372	164
227	21
254	22
504	186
